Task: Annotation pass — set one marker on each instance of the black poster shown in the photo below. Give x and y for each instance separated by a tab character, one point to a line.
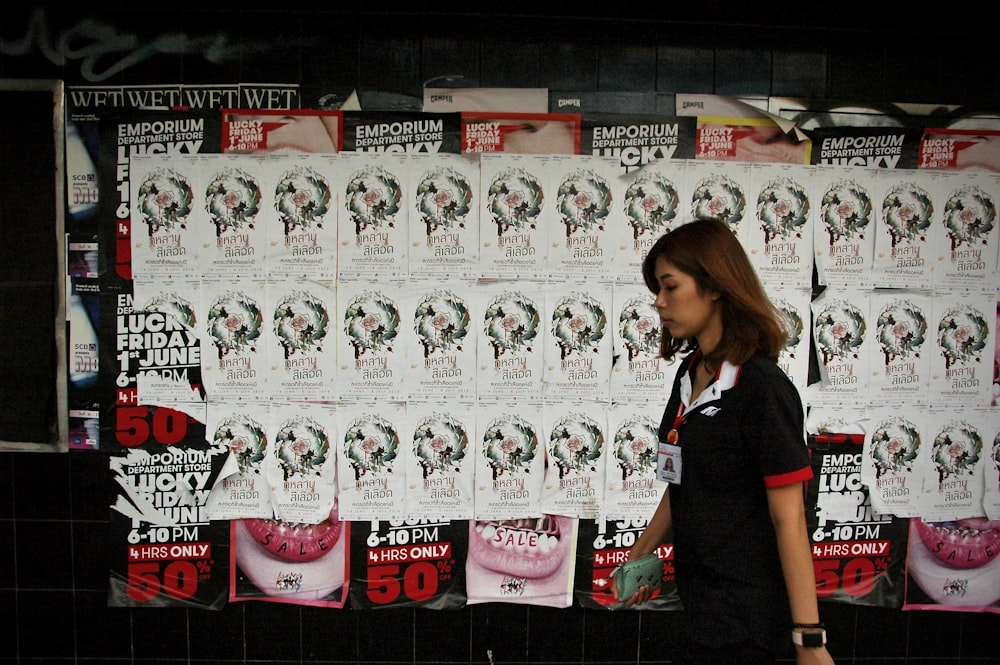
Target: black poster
164	549
859	555
410	563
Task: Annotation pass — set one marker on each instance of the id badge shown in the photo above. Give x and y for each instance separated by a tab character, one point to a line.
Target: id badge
668	463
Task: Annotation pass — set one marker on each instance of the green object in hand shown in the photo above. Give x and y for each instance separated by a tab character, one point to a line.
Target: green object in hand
630	575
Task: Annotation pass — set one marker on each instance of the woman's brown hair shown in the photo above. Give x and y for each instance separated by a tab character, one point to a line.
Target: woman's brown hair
708	250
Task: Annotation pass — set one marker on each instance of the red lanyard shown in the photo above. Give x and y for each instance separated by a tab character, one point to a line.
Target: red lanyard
672	435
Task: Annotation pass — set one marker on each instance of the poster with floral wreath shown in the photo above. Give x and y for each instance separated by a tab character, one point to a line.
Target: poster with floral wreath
510	460
576	449
844	238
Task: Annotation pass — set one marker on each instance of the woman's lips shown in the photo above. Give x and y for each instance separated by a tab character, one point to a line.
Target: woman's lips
296	542
531	548
961	544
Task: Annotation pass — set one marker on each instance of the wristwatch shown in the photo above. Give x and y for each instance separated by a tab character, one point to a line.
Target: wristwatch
810	638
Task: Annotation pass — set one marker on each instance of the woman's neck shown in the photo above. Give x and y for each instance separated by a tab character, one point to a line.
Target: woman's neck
703	376
710	336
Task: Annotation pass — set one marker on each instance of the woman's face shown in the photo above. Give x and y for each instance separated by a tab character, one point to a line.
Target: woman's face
769	144
300	133
540	138
685	310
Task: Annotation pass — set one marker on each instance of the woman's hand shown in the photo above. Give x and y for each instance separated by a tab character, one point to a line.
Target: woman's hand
818	656
642	594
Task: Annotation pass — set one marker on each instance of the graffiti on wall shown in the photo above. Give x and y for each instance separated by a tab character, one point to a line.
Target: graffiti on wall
103	51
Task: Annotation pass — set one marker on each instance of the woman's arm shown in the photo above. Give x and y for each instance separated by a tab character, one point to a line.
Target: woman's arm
656	530
787	508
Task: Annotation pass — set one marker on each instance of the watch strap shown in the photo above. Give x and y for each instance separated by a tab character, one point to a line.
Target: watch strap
809	638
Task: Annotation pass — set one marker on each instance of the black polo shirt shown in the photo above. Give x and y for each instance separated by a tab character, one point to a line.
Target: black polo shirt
744	434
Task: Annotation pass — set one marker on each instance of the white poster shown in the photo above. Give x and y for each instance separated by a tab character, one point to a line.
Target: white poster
794	305
893	441
513	239
165	347
719	190
441	352
302	225
236	357
631	489
440	471
371	354
373	222
300	339
170	226
991	470
238	195
301	466
843	335
779	233
952	465
965	233
844	237
510	459
901	356
654	200
908	203
241	431
510	348
576	447
578	341
443	221
582	214
639	372
964	336
371	462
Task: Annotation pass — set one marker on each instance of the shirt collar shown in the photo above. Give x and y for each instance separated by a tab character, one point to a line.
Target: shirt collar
725	378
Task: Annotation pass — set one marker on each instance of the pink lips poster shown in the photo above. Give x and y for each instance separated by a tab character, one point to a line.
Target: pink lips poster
283	562
527	561
953	565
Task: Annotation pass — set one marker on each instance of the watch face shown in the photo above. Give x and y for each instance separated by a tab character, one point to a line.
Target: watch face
813	640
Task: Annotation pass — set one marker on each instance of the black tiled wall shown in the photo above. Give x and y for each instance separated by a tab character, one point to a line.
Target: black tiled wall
54	507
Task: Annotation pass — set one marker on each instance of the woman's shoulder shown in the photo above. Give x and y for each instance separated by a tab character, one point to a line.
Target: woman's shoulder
760	368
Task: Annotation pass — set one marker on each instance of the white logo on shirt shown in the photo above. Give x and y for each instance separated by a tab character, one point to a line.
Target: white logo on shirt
710	411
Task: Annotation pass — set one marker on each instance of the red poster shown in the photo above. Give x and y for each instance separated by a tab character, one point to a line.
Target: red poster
252	131
521	133
960	149
749	140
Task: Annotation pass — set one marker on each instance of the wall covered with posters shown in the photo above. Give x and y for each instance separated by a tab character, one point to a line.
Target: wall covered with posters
407	335
380	341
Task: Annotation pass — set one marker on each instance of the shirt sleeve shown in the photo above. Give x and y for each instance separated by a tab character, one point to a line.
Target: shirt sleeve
776	424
